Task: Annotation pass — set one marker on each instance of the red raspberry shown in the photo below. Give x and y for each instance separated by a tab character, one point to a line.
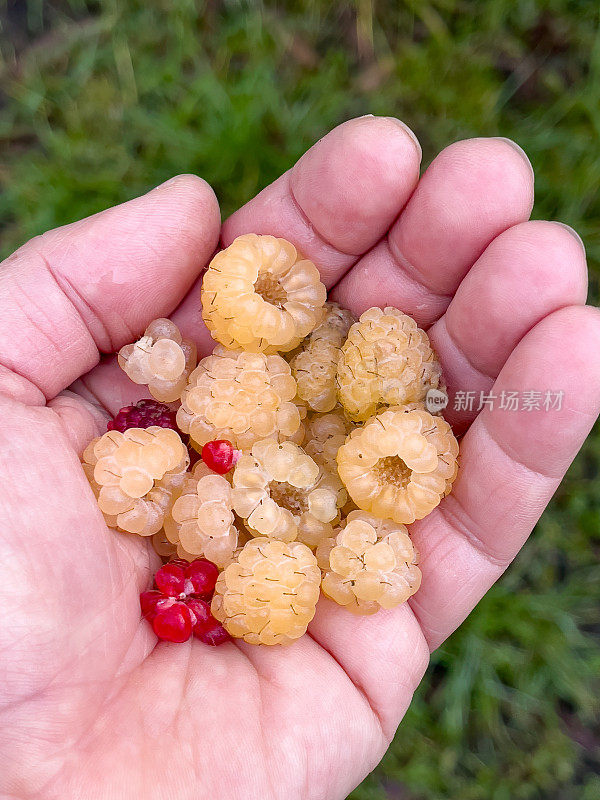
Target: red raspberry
219	455
143	414
180	605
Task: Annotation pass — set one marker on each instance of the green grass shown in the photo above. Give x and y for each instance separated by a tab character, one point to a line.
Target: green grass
111	97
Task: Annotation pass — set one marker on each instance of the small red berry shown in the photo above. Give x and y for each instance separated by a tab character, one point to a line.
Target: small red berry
143	414
170	579
174	623
219	455
202	575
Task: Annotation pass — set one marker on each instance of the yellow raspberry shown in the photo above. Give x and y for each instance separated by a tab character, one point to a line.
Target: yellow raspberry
400	464
281	492
261	295
315	365
241	397
268	595
161	359
370	564
386	361
201	521
134	475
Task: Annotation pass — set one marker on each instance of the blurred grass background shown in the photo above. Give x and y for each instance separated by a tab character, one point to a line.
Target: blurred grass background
101	100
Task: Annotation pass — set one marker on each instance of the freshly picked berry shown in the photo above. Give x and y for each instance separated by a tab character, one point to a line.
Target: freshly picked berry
269	593
261	295
307	448
161	359
201	519
143	414
387	360
179	606
400	464
371	565
315	364
240	397
134	475
220	456
281	492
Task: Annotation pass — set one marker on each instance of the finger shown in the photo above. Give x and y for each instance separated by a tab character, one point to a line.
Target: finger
341	196
510	466
92	286
526	273
471	192
305	679
334	204
385	655
82	419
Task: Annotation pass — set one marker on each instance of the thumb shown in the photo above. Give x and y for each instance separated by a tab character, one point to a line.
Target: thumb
93	285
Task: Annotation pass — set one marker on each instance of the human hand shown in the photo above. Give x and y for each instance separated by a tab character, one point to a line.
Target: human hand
91	707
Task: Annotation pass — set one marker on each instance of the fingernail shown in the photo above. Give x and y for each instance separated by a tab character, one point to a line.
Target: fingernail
166	183
411	134
519	150
573	233
182	178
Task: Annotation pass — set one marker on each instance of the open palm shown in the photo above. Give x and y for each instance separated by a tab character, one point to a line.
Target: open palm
90	705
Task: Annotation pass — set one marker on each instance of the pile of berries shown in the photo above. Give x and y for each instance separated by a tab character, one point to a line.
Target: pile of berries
179	605
285	464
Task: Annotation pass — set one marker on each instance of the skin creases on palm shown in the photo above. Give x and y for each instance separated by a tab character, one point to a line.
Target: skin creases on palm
90	705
